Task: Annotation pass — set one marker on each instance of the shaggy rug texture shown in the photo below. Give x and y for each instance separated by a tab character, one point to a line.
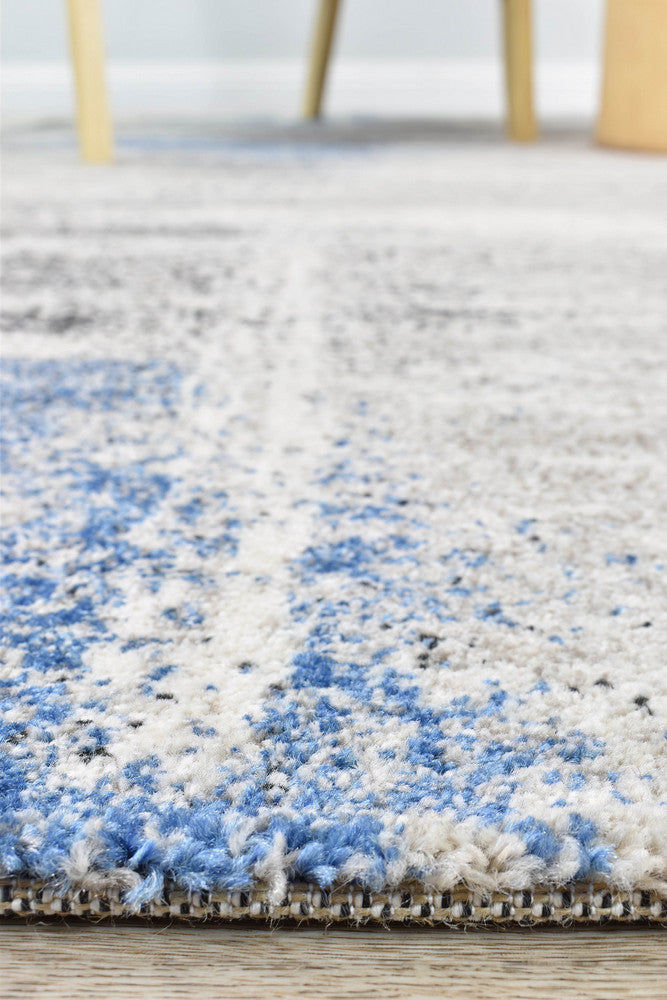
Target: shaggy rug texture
334	533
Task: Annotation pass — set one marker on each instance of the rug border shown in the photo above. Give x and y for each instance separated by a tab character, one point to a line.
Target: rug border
582	902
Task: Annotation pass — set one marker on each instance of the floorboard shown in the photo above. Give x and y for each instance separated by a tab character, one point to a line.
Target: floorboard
169	962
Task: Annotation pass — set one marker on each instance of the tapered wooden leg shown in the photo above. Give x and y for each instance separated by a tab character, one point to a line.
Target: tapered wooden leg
92	105
633	108
319	56
518	36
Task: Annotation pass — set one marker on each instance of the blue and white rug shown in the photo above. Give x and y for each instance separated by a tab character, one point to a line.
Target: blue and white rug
335	533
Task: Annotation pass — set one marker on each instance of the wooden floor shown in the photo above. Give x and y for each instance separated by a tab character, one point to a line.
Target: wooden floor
169	962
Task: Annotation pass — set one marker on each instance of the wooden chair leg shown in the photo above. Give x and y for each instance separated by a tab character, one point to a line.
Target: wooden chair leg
633	107
319	56
517	30
92	105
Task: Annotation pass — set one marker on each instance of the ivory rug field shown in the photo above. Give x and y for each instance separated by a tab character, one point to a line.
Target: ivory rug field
335	533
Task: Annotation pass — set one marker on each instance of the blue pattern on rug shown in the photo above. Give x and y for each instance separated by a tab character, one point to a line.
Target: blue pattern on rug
364	694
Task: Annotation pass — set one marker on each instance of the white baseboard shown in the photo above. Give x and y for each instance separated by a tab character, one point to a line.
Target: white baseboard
272	89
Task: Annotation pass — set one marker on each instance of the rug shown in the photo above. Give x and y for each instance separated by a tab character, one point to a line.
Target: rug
334	533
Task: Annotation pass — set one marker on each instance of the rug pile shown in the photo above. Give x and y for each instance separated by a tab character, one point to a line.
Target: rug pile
335	534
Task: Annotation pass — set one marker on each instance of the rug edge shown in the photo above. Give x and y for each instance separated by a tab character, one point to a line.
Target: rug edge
577	903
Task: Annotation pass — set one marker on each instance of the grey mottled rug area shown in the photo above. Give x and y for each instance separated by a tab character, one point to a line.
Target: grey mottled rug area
335	532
